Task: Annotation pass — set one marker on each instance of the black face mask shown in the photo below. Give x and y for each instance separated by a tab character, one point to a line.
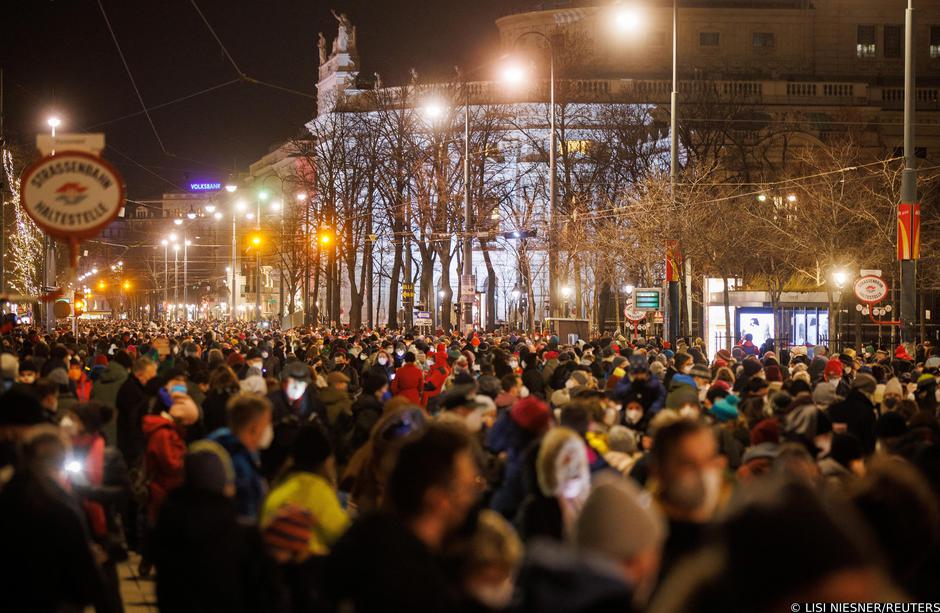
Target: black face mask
890	402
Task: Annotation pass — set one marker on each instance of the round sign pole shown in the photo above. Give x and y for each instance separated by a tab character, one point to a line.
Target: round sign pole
71	195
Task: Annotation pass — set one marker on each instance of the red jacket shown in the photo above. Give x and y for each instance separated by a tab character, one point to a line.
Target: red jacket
436	376
408	382
163	460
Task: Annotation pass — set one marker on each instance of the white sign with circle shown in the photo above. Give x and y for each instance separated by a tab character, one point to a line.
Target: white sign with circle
633	314
871	289
72	194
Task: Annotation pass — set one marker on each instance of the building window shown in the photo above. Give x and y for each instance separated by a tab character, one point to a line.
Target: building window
865	47
708	39
935	42
893	41
763	40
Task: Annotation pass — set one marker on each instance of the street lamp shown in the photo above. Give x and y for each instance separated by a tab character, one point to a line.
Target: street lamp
566	291
627	18
53	122
840	278
166	272
515	74
210	208
176	279
628	288
177	222
186	244
230	188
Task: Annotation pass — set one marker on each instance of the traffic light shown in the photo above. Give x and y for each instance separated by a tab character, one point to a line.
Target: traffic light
256	239
325	237
78	304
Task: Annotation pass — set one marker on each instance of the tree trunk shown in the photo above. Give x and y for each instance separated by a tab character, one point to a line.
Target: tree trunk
490	287
393	283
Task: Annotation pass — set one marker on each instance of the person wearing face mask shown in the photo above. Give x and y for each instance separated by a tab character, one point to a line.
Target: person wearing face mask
687	483
296	403
619	525
639	383
254	360
856	414
893	395
384	364
341	363
28	372
249	431
165	430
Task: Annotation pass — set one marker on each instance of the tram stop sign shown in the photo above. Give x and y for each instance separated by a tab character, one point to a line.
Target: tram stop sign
72	195
870	289
634	315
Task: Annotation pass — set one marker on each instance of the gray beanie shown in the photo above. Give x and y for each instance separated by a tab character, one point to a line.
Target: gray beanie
621	439
618	520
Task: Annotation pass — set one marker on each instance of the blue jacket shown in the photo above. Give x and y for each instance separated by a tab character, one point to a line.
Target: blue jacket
250	487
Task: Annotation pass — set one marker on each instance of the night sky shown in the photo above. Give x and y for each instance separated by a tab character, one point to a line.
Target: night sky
58	56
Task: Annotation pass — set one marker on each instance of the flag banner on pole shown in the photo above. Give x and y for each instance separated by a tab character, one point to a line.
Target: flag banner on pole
908	231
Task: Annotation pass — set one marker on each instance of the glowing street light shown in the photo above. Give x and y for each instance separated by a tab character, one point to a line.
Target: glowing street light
762	198
433	110
628	288
172	237
177	222
276	205
53	122
217	215
301	196
240	206
210	208
627	18
126	285
263	195
840	278
514	74
230	188
791	198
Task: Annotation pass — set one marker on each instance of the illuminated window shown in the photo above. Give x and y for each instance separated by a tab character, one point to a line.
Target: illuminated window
579	146
935	42
865	46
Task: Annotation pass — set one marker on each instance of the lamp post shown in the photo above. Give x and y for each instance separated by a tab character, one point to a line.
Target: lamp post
176	279
53	123
566	292
239	207
262	196
516	294
186	244
166	277
516	75
840	278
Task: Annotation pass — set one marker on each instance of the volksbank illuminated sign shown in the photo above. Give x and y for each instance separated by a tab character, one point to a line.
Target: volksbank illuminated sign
204	187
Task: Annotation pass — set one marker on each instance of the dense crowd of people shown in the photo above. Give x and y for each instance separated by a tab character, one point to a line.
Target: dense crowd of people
254	469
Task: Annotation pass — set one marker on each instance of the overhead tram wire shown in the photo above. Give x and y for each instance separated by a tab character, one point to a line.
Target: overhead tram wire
241	74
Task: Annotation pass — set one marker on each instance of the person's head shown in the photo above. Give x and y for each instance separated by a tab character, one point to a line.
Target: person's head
375	383
44	453
435	482
489	559
144	370
685	462
249	419
208	467
383	358
339	381
639	367
294	380
28	373
175	382
254	359
562	466
511	384
223	378
47	391
847	451
86	418
619	522
312	452
9	367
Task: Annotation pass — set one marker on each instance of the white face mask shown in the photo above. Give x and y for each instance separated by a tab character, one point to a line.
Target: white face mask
688	412
296	389
634	415
474	421
267	437
513	364
523	392
400	352
382	361
69	426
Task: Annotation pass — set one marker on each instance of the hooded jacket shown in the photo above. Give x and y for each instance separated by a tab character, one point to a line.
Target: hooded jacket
106	390
163	459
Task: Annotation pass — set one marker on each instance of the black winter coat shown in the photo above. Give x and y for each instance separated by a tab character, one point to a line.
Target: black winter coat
133	400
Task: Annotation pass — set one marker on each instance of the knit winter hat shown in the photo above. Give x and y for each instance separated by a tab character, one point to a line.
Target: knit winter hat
751	366
287	535
726	409
833	369
619	520
864	382
893	386
531	414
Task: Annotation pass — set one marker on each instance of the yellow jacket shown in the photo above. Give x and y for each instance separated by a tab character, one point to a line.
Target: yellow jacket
315	494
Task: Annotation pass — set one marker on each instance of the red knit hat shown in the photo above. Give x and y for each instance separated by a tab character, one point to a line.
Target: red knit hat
766	431
531	414
833	369
101	360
